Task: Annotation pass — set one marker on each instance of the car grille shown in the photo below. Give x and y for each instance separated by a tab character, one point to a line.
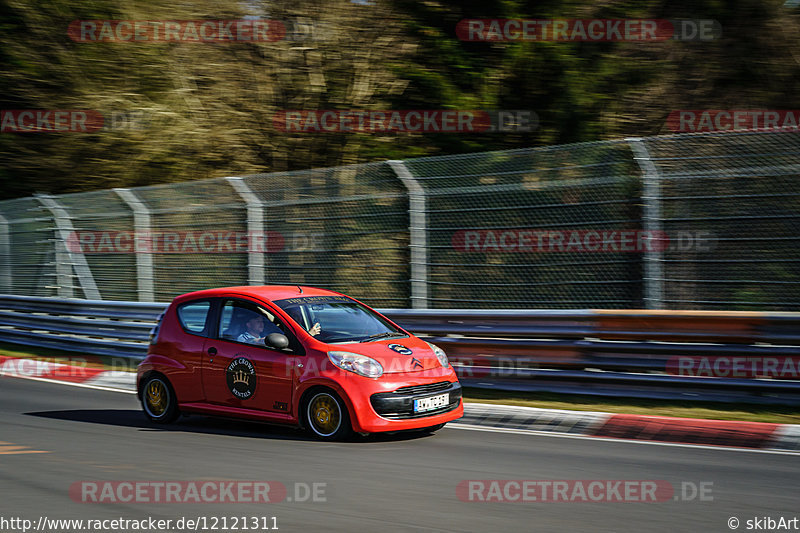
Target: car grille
399	405
422	389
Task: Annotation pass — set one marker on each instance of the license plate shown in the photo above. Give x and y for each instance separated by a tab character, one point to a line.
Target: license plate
431	403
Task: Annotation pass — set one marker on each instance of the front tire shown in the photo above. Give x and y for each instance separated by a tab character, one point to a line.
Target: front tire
158	400
326	416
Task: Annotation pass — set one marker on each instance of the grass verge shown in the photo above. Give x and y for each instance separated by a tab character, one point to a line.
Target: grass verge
781	414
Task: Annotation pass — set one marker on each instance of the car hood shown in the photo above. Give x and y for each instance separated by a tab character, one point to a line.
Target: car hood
393	354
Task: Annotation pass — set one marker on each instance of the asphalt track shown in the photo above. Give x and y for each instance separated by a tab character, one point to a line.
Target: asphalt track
387	483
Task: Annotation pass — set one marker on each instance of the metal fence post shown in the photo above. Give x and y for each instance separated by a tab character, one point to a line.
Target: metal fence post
651	198
142	244
6	279
418	234
255	230
66	259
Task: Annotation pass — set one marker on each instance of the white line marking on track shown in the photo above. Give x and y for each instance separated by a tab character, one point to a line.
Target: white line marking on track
607	439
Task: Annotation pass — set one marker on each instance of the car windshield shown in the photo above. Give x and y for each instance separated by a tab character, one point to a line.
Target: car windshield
340	319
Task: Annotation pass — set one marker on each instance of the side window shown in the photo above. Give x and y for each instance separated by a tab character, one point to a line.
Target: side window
156	329
193	316
246	322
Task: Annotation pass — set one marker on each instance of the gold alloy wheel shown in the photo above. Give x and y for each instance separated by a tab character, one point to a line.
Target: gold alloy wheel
324	414
156	398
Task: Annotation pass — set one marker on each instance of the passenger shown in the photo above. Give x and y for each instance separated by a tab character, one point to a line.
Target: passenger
297	316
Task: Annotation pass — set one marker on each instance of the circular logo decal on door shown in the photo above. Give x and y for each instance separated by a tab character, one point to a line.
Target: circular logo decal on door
399	348
241	376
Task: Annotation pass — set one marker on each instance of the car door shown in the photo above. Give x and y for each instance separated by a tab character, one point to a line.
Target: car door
238	371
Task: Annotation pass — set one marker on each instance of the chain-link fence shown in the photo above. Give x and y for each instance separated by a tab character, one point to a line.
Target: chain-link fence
493	219
684	222
743	191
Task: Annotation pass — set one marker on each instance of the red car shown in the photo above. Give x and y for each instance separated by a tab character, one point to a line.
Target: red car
294	355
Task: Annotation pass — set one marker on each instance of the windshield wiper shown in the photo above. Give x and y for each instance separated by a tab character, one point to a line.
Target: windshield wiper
384	335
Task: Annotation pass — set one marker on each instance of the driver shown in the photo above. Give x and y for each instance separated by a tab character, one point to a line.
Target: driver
254	331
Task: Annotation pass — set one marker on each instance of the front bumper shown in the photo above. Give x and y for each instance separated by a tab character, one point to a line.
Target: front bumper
399	404
387	404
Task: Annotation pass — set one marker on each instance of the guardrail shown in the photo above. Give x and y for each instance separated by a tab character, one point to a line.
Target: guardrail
94	327
618	353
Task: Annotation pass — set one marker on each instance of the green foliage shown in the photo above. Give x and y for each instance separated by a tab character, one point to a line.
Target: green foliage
209	107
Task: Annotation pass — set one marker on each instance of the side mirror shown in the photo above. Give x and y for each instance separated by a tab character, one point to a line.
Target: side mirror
277	340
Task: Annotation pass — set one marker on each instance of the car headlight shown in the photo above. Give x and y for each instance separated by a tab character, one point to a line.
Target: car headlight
440	355
360	364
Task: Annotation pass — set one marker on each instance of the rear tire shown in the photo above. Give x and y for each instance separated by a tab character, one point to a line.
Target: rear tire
326	416
158	400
